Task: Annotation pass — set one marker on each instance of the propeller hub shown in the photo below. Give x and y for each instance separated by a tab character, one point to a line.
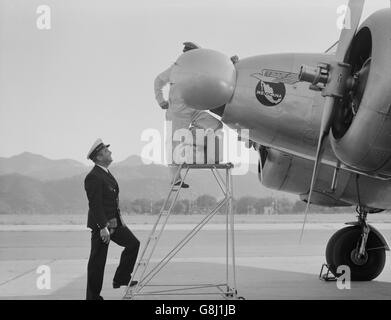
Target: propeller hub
315	75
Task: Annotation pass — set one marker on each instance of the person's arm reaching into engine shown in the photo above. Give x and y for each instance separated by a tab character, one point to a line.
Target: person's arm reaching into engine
160	82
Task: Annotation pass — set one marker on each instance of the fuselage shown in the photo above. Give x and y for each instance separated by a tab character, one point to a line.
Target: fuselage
284	114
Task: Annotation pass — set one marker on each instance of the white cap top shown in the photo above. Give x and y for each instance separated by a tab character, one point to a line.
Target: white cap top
96	147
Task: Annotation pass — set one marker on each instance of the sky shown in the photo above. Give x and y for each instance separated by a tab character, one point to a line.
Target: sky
91	75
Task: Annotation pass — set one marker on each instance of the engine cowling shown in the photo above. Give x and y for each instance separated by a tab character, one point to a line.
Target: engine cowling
285	172
205	78
361	133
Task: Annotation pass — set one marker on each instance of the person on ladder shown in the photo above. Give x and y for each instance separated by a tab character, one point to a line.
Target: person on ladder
179	114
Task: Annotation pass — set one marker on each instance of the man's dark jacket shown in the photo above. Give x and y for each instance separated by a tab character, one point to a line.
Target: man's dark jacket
102	192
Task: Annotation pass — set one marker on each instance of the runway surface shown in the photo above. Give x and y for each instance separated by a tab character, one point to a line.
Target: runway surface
271	264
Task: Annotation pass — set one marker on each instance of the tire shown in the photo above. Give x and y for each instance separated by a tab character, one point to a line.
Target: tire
341	252
330	248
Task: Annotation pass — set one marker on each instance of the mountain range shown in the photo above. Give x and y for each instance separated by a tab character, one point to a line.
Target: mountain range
36	184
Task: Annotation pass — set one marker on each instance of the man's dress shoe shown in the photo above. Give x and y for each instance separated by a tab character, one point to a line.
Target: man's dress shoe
184	185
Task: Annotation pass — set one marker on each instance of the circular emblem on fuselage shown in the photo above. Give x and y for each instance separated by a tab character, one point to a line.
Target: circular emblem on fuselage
270	94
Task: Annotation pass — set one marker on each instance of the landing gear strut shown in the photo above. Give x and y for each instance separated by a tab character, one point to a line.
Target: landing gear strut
360	247
359	255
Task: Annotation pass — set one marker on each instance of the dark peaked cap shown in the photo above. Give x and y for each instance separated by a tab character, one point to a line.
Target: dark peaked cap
190	45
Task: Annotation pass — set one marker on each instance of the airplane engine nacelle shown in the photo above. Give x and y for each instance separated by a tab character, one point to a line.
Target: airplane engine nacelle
284	172
205	78
361	133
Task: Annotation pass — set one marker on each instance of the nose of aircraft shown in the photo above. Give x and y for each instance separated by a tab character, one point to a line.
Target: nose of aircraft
204	78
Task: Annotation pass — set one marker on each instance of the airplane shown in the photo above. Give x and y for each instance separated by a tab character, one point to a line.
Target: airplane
321	124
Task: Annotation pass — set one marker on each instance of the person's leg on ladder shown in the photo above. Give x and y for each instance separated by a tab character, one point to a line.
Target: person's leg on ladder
178	122
204	120
125	238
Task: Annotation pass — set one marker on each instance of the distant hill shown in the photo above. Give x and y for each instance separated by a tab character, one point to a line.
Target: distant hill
39	167
131	161
21	194
30	187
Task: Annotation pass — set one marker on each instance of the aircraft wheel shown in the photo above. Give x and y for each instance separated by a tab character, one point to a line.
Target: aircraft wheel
330	247
342	250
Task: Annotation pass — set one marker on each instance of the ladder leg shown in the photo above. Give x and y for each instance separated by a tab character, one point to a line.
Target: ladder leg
227	231
232	227
155	234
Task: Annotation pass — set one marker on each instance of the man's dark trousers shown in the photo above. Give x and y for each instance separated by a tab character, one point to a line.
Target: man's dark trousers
96	264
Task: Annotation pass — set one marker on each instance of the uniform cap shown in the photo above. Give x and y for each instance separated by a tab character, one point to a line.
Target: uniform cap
95	148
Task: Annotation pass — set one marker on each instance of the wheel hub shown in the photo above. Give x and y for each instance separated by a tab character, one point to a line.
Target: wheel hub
357	258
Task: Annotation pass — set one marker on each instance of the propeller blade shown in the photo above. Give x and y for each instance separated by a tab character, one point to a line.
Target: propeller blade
325	125
346	37
355	10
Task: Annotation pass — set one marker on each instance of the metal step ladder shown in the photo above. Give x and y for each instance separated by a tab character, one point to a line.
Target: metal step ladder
144	277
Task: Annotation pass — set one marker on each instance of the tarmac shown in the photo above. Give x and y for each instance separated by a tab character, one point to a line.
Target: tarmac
270	263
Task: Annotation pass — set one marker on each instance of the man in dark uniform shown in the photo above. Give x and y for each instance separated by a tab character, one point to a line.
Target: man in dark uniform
105	221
